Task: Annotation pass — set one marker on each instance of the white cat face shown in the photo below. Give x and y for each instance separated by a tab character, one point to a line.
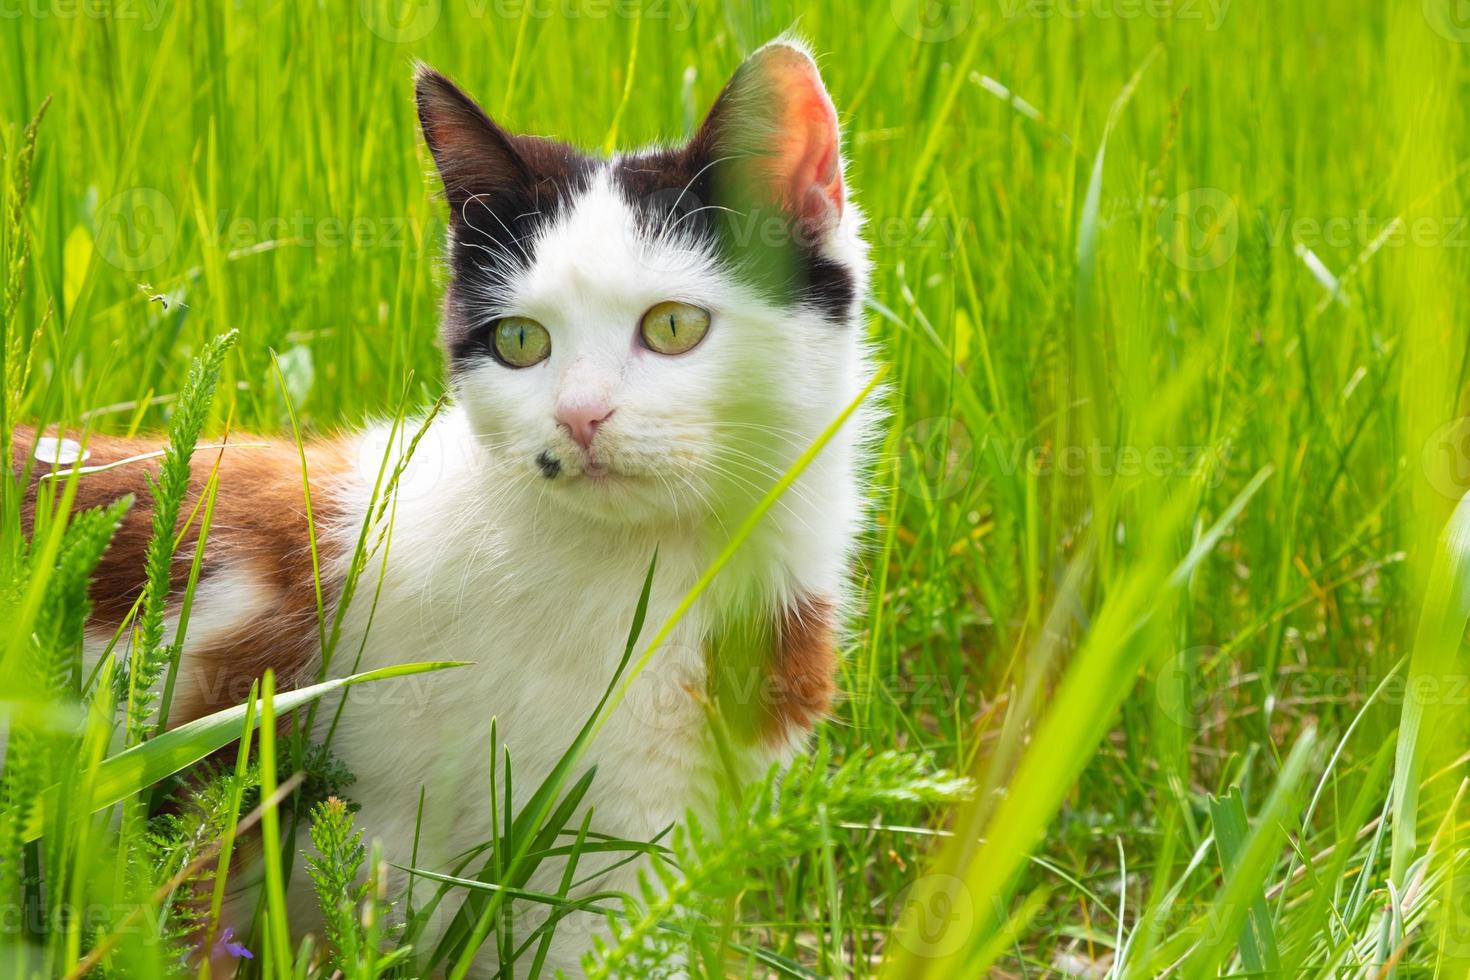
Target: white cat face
673	434
569	379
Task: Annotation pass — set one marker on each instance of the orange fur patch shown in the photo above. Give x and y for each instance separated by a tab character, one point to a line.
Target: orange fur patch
804	671
259	524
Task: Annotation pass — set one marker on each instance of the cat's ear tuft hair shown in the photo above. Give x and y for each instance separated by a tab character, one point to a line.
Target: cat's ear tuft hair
776	125
474	155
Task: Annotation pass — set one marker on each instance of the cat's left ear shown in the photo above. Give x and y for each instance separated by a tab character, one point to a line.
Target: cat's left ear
772	136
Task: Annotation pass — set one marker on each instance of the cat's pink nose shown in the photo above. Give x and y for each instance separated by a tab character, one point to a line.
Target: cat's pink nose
582	419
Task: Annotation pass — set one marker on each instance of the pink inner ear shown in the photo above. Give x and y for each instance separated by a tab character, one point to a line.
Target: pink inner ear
806	153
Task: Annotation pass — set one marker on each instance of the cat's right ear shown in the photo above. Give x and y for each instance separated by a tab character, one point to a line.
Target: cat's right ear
475	157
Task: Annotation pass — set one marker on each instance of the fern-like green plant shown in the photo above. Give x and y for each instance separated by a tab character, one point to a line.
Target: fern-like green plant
64	614
150	655
781	819
15	357
214	799
334	874
51	673
354	905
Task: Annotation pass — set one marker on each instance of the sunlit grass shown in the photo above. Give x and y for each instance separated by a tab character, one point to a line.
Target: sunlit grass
1166	554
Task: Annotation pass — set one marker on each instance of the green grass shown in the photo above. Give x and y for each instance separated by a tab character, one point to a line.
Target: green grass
1166	553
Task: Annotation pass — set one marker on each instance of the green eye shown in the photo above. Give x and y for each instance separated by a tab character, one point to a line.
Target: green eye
673	328
520	342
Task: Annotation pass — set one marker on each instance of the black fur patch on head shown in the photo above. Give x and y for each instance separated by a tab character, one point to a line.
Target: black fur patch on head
501	188
492	235
721	188
686	190
549	465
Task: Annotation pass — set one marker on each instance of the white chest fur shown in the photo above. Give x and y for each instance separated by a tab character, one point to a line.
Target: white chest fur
542	604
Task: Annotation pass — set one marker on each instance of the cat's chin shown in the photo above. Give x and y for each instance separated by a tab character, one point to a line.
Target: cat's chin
601	480
613	497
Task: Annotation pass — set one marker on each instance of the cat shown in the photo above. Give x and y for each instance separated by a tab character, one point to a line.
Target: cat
638	347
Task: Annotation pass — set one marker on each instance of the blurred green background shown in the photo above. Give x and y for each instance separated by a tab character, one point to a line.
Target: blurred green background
1175	296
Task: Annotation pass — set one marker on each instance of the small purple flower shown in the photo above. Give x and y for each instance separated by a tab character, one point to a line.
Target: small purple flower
225	945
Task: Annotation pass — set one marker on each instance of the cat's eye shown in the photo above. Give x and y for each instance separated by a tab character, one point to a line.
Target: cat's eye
520	342
673	328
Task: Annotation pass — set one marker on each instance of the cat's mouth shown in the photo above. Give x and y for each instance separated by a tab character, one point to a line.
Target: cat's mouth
594	469
602	474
